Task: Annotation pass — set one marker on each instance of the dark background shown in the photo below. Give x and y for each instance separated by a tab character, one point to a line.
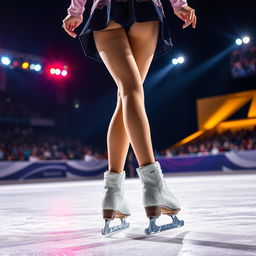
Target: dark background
35	27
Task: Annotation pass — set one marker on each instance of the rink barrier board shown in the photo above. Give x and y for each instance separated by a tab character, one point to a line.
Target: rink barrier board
22	170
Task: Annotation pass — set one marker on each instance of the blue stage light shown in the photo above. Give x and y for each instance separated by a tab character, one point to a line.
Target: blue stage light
239	41
175	61
246	39
181	60
32	66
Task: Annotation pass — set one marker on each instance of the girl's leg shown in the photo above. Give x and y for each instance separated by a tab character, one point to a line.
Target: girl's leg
117	54
142	38
117	139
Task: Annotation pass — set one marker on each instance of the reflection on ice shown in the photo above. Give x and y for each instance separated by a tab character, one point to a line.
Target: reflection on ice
65	219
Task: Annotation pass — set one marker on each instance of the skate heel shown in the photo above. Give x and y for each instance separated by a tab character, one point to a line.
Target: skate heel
153	211
169	211
109	214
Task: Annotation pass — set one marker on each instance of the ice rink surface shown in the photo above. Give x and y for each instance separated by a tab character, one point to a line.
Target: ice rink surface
64	219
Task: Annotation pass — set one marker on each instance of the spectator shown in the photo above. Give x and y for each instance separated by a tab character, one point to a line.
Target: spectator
33	157
27	143
217	143
88	156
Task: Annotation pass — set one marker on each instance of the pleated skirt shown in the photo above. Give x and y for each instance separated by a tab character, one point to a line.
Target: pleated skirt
124	12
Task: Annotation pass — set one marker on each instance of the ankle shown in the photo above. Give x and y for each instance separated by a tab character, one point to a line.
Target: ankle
143	164
116	171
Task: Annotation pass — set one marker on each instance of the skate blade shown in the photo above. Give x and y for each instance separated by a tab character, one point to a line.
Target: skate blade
153	228
110	230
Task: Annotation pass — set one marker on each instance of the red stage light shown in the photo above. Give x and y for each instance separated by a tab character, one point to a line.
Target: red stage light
52	71
15	64
57	71
64	72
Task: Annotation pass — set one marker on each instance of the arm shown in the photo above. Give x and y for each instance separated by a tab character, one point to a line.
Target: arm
184	12
177	4
76	7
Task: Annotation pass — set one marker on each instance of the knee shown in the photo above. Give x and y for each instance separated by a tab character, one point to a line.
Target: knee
132	95
130	88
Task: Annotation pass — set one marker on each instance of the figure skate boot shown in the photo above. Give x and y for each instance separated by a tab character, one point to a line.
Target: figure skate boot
157	198
114	204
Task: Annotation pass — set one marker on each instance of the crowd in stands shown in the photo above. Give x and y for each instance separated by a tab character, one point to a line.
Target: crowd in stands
20	141
24	143
243	62
217	143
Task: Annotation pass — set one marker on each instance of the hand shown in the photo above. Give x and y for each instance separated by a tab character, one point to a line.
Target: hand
187	14
70	23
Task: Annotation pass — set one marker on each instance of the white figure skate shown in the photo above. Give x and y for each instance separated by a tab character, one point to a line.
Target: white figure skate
114	205
157	198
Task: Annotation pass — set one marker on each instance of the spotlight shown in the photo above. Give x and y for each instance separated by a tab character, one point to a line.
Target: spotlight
25	65
32	66
64	72
5	60
57	71
175	61
38	67
239	41
76	105
246	39
52	71
181	60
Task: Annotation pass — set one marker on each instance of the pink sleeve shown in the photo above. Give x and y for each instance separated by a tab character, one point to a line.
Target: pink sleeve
76	7
177	4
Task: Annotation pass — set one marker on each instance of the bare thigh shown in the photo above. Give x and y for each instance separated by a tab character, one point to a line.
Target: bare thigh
136	47
143	38
114	48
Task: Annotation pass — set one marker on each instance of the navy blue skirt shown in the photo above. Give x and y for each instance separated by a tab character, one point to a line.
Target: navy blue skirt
124	12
